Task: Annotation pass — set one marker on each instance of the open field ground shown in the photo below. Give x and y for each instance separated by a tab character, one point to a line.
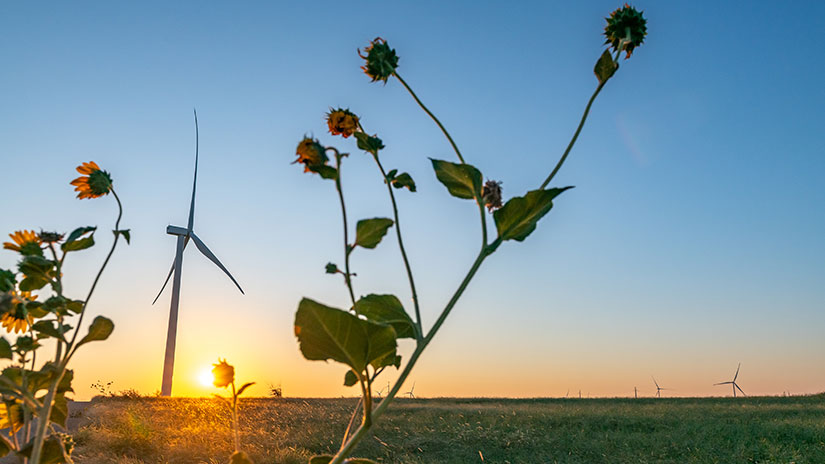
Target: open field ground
689	430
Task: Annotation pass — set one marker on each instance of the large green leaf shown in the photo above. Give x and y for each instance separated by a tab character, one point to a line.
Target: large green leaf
100	329
518	217
461	180
386	309
605	67
328	333
369	232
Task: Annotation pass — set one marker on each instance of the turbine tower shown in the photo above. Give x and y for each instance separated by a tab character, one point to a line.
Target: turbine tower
733	385
183	237
658	388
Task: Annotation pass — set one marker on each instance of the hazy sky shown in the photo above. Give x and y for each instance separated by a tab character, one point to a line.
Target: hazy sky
694	240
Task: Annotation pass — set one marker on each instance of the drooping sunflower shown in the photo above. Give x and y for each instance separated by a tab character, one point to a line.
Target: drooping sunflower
26	242
381	60
224	373
342	121
311	154
95	183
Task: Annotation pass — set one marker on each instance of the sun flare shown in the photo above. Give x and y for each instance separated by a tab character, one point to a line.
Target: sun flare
205	377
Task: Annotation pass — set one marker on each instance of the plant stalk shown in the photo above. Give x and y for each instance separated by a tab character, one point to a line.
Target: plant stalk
347	276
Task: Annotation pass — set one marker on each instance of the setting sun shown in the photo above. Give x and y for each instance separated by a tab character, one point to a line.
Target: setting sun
205	377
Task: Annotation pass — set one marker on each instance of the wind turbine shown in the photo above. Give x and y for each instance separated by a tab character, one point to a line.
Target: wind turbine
183	237
658	388
733	385
410	393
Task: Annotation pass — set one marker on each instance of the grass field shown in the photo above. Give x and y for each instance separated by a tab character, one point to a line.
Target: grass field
685	430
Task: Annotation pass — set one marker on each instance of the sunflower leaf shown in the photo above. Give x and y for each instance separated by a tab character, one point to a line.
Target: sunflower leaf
5	349
387	309
326	333
462	180
605	67
518	217
75	235
127	235
369	232
404	180
100	329
350	378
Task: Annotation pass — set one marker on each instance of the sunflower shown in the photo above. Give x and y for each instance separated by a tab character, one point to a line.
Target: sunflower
491	195
311	154
17	318
381	60
343	122
26	242
626	25
224	373
94	184
50	237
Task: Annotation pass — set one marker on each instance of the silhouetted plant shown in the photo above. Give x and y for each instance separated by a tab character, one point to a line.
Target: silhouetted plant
34	393
364	337
224	376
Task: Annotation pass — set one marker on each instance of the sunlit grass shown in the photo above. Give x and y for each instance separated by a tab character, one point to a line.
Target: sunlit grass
455	430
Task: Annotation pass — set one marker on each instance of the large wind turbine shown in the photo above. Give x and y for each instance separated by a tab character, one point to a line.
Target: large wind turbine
733	385
183	234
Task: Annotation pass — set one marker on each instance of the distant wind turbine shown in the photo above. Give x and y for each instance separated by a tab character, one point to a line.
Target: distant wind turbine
733	385
658	388
183	235
410	393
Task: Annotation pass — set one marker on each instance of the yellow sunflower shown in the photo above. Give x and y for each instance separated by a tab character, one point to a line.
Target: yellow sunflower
17	318
26	242
95	183
223	372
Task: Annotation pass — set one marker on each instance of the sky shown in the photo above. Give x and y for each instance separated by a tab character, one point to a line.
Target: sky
693	241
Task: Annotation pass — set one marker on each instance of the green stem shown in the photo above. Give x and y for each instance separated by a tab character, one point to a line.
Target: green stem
363	429
575	136
447	134
347	275
401	247
235	418
46	409
99	273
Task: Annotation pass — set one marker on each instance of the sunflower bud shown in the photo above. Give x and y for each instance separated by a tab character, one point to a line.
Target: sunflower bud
626	29
491	195
223	373
343	122
311	154
50	237
381	60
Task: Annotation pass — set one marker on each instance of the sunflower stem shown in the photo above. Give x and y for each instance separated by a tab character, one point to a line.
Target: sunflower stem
347	249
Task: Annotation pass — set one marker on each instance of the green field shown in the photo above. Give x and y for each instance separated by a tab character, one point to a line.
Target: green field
680	430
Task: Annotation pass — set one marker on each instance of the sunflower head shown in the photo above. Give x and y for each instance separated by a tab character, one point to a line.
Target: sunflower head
16	319
381	60
491	195
625	24
26	242
223	373
343	122
311	154
50	237
94	183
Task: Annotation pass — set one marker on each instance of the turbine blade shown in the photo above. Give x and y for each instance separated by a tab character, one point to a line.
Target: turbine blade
194	182
737	387
722	383
168	276
654	381
737	372
208	253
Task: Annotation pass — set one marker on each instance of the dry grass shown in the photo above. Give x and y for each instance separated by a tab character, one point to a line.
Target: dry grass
765	430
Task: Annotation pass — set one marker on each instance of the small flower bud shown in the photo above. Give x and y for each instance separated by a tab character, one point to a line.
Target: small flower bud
626	29
50	237
223	373
343	122
311	154
381	60
491	195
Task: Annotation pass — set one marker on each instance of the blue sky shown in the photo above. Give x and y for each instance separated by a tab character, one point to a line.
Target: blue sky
695	237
